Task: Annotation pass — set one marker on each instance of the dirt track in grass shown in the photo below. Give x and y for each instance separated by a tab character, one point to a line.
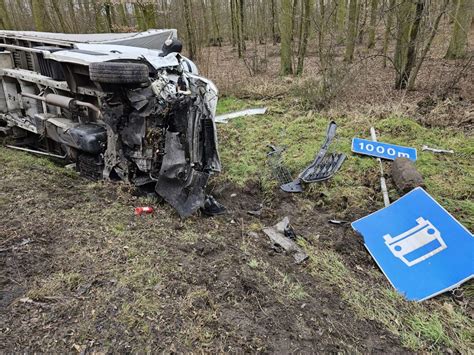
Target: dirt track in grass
80	272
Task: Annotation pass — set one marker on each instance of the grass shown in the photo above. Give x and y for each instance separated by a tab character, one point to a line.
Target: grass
356	186
449	178
253	263
57	283
38	163
229	104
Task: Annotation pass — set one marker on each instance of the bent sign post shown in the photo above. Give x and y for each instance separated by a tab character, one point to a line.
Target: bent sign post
382	150
419	246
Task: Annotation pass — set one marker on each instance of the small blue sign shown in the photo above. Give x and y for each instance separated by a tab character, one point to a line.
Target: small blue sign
419	246
382	150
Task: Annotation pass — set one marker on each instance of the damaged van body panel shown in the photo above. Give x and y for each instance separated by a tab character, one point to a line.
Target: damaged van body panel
121	113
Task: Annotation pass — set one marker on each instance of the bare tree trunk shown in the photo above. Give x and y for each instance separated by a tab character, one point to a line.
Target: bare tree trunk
165	8
37	10
233	18
453	8
411	55
238	28
98	17
306	21
138	14
286	26
388	29
215	23
294	16
351	31
123	15
148	10
404	13
241	24
113	15
426	48
242	17
20	22
340	18
59	15
321	35
4	17
373	22
203	35
462	23
108	17
84	5
274	22
407	63
361	10
299	35
72	13
189	30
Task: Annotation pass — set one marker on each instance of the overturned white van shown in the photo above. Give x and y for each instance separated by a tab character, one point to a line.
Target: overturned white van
120	106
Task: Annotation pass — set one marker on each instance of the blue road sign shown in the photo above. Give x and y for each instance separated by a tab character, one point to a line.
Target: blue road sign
382	150
419	246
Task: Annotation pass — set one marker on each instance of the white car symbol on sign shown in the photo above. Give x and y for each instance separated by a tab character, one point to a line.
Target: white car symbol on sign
413	239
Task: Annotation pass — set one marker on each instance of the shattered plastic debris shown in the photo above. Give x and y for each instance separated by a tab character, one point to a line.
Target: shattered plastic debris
212	207
256	212
336	221
280	234
249	112
436	150
324	170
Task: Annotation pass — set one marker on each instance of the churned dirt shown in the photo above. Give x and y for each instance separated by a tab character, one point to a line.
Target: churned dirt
80	272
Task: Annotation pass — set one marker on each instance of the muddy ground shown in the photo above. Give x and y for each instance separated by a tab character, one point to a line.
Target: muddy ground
80	272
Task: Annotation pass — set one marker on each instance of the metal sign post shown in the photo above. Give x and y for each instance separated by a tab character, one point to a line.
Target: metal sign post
383	184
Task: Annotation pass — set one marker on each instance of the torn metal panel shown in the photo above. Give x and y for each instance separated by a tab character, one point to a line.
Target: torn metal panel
249	112
437	150
277	236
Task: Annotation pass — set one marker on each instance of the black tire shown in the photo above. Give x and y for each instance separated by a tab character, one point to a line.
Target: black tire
118	73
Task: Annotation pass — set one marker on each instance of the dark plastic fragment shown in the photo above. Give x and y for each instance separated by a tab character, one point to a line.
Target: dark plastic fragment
212	207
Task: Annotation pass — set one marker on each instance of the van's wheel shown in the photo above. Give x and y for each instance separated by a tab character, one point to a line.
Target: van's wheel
118	73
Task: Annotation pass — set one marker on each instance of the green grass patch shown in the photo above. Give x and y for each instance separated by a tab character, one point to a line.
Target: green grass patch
229	103
24	162
243	147
56	286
